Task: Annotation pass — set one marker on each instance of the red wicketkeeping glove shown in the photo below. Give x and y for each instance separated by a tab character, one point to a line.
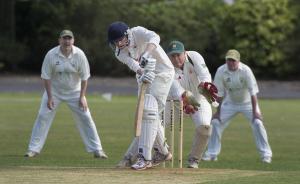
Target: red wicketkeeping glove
210	91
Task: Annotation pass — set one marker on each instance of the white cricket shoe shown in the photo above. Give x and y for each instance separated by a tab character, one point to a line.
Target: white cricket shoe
267	160
209	158
100	154
159	158
193	163
31	154
124	163
141	163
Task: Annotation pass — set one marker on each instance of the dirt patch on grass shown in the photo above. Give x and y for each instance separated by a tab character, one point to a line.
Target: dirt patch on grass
59	175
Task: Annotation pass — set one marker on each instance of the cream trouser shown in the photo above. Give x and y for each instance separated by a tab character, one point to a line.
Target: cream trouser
84	123
227	112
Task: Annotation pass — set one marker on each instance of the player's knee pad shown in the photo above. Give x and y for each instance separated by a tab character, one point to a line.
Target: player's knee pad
204	130
150	108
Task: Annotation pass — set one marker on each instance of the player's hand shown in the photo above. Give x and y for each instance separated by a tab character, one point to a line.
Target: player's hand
147	77
216	115
83	104
50	103
257	115
209	90
189	109
189	99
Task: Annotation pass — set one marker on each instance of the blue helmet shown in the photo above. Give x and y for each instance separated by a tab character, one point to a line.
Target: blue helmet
116	31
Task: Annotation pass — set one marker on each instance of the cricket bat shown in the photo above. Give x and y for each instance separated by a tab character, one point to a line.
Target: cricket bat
139	110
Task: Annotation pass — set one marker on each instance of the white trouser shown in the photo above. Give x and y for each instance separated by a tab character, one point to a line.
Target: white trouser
84	122
203	115
151	132
227	112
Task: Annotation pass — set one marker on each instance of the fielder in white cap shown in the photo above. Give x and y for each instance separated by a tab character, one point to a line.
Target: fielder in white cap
65	73
237	91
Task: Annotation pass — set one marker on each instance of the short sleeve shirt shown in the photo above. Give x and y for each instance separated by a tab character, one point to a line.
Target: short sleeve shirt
65	73
236	86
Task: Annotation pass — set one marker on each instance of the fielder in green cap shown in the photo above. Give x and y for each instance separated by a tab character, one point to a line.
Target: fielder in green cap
238	92
65	74
193	75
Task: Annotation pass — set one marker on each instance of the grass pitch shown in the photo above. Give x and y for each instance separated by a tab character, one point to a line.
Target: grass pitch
64	160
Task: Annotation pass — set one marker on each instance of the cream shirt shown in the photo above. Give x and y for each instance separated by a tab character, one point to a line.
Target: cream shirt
65	73
138	38
237	86
191	76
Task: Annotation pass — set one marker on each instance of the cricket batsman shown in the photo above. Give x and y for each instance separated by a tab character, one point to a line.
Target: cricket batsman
133	47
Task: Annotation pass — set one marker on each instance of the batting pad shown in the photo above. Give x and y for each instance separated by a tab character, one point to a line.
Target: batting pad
150	127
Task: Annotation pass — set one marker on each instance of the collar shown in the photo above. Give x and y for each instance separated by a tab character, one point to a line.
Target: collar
230	72
58	51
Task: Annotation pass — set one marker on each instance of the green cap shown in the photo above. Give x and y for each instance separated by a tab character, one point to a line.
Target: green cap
175	47
66	33
233	54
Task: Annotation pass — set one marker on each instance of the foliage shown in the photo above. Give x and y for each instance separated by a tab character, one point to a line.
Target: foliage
264	31
258	28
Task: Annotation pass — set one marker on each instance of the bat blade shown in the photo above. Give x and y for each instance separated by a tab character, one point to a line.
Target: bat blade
139	110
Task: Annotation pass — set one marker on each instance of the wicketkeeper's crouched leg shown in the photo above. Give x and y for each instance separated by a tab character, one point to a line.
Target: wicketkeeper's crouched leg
202	134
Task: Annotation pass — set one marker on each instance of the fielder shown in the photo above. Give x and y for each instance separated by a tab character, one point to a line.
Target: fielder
237	90
193	75
132	47
65	72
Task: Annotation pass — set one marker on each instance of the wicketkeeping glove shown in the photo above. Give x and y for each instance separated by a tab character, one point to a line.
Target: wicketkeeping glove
147	77
189	99
210	91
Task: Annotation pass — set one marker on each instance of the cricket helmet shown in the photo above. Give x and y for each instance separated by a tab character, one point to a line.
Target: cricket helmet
116	30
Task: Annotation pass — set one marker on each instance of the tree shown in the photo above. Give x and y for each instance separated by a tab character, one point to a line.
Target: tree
258	29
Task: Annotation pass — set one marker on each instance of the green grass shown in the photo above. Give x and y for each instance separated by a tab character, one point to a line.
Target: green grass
114	120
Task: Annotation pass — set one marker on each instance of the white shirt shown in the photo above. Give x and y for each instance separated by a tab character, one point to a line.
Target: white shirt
194	72
138	38
237	86
65	73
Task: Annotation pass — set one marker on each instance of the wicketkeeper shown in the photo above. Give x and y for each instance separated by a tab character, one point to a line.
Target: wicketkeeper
193	75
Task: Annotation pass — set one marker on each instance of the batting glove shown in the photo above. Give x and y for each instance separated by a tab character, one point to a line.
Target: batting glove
150	66
144	59
147	77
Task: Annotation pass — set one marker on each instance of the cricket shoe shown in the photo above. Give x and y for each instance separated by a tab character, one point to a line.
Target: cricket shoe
124	163
100	154
193	163
141	163
209	158
31	154
159	158
267	160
